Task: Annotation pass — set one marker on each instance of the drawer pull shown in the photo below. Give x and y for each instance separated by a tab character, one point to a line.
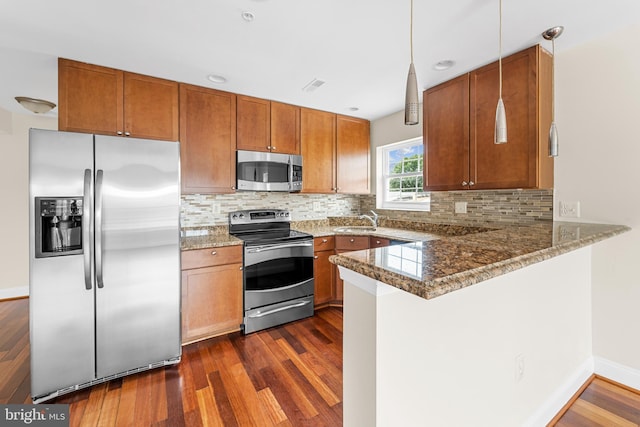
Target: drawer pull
214	253
377	242
324	240
351	240
315	257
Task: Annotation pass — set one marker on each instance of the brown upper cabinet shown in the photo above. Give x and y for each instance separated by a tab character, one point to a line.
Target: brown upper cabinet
353	155
107	101
268	126
459	120
207	140
335	150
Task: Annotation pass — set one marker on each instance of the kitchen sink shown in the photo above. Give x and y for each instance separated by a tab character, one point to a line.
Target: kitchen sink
353	229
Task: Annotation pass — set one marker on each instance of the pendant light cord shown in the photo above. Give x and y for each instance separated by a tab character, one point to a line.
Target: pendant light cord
553	80
500	51
411	31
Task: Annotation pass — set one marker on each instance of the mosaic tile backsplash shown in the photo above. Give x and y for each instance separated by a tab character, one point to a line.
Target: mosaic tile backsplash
509	206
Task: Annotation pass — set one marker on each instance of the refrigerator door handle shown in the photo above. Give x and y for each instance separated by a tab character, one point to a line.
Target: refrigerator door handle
98	228
87	242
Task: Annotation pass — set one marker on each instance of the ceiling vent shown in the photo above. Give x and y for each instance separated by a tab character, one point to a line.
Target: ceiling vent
313	85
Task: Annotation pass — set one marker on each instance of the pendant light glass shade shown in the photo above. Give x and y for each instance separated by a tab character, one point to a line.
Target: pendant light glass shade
411	99
500	133
411	95
553	140
552	34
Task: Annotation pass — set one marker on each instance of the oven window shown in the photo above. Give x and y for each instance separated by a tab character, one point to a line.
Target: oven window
266	172
278	273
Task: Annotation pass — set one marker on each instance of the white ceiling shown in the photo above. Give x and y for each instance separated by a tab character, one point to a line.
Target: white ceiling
359	47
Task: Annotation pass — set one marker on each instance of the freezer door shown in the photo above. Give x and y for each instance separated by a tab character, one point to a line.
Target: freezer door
61	308
137	245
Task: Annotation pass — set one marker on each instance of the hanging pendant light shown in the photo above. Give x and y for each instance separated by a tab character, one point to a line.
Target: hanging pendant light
500	133
552	34
411	96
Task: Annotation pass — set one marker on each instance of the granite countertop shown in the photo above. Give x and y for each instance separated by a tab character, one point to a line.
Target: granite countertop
438	265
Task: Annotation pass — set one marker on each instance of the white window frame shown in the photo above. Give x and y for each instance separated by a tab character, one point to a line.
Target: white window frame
382	155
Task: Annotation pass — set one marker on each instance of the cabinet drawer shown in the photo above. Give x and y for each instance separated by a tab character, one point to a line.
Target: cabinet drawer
378	242
211	257
353	243
327	243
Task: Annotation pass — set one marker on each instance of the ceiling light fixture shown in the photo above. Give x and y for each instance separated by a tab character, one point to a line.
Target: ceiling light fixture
214	78
500	133
444	65
248	16
411	95
552	34
38	106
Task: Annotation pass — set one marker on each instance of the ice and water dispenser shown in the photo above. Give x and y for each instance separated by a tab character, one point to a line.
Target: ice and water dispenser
58	226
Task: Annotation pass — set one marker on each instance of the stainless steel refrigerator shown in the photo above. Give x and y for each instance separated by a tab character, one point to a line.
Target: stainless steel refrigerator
104	283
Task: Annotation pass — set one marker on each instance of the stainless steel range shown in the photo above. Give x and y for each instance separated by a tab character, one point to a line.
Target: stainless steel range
278	268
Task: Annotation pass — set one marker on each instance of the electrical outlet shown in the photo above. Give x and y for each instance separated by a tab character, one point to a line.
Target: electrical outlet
216	208
519	367
570	209
460	207
317	206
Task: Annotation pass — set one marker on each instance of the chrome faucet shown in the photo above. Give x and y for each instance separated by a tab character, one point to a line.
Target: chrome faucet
373	219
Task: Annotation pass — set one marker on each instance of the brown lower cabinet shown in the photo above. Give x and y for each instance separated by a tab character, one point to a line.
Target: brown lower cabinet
323	271
347	244
211	292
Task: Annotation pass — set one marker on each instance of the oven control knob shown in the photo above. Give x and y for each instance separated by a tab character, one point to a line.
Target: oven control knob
286	214
241	216
234	216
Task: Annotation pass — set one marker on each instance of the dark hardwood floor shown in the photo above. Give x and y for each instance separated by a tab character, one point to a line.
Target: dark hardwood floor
602	403
286	376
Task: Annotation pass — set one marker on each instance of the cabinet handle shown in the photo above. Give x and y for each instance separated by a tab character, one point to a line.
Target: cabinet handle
119	132
464	183
127	134
324	240
233	188
273	148
351	240
471	183
377	242
268	147
214	253
315	257
240	268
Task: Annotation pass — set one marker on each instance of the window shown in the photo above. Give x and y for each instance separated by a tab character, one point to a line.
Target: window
400	176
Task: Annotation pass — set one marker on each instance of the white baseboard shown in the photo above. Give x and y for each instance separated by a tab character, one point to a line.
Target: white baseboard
8	293
617	372
561	396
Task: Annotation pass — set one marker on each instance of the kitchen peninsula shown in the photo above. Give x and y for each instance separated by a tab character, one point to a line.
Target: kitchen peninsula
489	328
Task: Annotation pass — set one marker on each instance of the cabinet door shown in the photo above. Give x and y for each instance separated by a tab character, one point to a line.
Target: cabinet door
207	140
324	277
446	135
352	155
150	107
89	98
253	124
317	143
510	165
285	128
211	301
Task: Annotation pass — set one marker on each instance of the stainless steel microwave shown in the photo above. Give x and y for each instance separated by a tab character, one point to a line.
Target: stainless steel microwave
258	171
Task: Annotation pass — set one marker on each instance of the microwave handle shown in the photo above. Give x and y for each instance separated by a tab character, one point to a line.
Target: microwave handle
290	174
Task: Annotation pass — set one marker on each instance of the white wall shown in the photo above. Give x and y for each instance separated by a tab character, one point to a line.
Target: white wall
14	215
451	361
598	113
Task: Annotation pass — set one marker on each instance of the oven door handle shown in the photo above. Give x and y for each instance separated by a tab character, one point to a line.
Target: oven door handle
276	310
258	249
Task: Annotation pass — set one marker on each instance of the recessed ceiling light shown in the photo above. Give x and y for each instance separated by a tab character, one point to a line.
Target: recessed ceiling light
248	16
216	78
444	65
